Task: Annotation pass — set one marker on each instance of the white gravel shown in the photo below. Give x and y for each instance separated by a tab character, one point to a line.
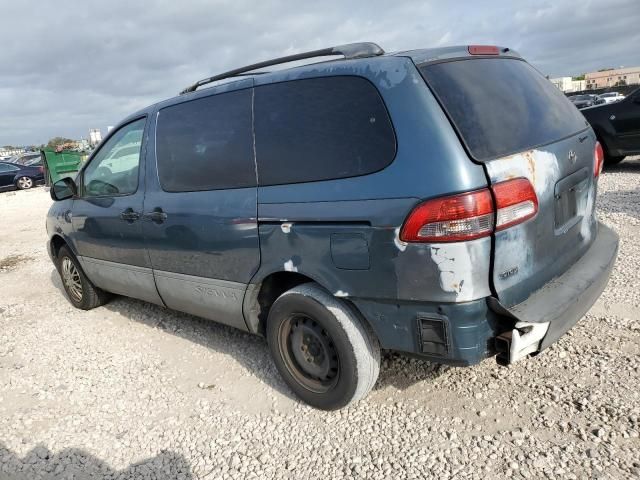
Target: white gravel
130	390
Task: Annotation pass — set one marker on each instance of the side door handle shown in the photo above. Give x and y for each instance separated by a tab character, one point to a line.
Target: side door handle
130	215
156	216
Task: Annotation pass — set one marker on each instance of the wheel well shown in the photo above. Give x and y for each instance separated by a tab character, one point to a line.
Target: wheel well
271	288
56	244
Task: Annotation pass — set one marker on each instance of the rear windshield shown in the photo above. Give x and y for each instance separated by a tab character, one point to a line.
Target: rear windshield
501	106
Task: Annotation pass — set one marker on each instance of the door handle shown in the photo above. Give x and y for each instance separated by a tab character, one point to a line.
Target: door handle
130	215
156	216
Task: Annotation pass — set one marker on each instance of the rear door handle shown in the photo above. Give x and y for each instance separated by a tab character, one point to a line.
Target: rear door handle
130	215
156	216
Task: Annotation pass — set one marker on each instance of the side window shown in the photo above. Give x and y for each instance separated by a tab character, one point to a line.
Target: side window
114	169
206	144
321	129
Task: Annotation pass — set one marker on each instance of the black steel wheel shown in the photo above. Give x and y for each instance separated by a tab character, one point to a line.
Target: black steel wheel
322	347
309	353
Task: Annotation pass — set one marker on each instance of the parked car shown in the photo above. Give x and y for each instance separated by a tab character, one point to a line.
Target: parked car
611	97
380	201
617	126
24	158
30	158
19	176
582	101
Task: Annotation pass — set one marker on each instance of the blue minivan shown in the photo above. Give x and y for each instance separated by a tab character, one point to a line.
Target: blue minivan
436	202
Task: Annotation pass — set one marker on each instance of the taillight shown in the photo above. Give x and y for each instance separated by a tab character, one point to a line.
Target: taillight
598	160
450	219
471	215
483	50
41	169
516	201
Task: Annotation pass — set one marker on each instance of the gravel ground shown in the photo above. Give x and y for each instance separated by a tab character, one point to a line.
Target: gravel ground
130	390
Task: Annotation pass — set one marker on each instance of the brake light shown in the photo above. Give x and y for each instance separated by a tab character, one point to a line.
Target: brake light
41	169
483	50
598	160
471	215
450	219
516	201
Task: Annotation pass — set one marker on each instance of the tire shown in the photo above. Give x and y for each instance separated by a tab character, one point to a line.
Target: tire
609	160
80	291
322	349
25	183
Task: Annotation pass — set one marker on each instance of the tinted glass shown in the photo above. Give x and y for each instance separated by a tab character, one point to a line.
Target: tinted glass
206	144
114	169
320	129
502	106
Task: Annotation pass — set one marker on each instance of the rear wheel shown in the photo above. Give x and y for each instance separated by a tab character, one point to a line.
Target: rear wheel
321	348
24	183
81	292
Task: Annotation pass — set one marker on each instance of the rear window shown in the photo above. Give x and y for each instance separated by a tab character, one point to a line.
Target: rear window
502	106
206	144
320	129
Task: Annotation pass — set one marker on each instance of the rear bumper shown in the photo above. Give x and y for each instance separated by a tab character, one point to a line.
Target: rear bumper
465	333
564	300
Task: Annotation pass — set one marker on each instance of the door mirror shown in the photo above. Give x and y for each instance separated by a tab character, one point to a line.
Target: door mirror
63	189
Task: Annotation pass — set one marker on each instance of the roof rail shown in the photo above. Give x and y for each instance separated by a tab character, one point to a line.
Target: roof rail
350	50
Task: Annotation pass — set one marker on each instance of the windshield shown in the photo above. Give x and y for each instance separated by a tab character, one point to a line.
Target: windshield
501	106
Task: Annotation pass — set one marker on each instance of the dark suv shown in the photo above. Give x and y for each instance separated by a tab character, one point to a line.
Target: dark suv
434	202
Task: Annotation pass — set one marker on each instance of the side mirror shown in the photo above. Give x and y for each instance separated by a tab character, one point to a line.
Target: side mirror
63	189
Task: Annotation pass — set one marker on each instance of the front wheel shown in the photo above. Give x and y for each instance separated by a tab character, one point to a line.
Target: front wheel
24	183
324	352
81	292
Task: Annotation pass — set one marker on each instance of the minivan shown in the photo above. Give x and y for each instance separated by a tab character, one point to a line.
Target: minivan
438	203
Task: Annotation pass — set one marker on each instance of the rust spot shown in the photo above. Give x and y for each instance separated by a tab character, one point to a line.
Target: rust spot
532	165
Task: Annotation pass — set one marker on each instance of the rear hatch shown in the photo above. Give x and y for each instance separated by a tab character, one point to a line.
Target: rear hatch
517	124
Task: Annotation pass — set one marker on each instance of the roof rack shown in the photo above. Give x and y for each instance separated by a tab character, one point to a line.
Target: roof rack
350	50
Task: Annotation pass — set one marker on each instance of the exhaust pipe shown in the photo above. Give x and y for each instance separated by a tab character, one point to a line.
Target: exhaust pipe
503	347
520	342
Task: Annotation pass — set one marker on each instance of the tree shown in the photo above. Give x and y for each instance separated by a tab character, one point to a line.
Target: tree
55	141
579	77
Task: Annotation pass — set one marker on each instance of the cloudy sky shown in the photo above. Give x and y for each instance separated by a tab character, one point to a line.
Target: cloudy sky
68	66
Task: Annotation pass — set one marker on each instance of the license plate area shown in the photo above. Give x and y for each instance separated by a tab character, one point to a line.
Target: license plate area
570	196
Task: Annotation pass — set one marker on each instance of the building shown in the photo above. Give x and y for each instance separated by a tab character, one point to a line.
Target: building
613	78
95	137
568	84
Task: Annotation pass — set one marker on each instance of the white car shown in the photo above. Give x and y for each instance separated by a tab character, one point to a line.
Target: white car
611	97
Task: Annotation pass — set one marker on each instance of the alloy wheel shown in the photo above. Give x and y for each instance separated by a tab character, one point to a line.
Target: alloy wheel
71	279
25	182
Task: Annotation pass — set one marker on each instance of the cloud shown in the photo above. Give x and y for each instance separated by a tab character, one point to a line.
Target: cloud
68	66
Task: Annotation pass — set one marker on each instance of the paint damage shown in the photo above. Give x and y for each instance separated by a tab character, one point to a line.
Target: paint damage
286	227
538	166
400	245
454	264
289	266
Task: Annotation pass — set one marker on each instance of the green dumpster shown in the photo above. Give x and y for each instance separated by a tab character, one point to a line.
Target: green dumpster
65	163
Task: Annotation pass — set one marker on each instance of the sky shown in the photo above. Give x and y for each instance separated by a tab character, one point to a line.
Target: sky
68	66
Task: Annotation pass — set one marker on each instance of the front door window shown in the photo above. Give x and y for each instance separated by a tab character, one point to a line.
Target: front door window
114	169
